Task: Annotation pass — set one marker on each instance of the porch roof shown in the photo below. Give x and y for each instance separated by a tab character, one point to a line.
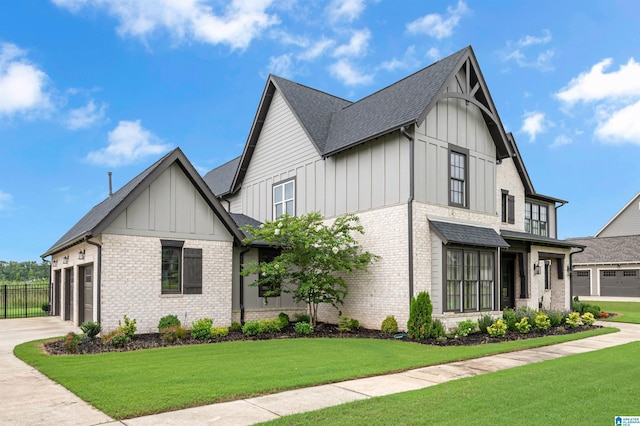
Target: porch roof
456	233
538	240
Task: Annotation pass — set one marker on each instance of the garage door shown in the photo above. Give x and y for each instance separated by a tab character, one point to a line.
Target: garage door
620	283
582	283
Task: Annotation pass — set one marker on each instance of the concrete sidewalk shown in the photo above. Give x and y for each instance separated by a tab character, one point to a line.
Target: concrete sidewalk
30	398
269	407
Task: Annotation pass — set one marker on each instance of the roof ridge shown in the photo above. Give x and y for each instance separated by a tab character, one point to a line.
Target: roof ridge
311	88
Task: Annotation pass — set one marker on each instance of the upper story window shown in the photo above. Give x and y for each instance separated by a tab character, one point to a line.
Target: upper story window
508	207
458	177
535	219
284	198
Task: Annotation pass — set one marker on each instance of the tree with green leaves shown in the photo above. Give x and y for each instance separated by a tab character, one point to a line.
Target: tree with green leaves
314	258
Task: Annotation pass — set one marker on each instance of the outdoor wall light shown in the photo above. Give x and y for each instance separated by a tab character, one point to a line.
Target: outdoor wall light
65	259
536	268
81	255
54	262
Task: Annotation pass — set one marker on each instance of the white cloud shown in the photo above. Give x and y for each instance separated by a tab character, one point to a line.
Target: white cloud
533	124
434	54
281	65
317	49
561	140
128	142
622	125
5	200
237	26
435	25
523	52
22	85
344	71
86	116
598	85
345	10
408	61
357	45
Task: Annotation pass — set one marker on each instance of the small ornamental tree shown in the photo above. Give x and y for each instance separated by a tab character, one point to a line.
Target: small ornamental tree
313	261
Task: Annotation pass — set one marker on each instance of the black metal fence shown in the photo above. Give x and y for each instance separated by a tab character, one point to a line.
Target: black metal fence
24	300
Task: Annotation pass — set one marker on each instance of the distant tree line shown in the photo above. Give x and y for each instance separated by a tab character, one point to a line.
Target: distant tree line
24	271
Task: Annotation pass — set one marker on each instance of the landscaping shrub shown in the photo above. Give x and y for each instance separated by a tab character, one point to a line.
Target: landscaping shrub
91	329
389	325
573	320
510	318
236	326
485	322
128	328
523	325
464	328
498	328
420	311
168	321
592	309
603	315
272	325
303	327
588	318
556	318
346	323
71	342
219	332
542	321
173	333
284	320
302	317
437	330
201	329
251	328
115	338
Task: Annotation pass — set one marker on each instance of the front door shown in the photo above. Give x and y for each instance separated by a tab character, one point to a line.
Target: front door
507	281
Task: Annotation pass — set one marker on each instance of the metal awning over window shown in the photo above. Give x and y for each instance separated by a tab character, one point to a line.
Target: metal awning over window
455	233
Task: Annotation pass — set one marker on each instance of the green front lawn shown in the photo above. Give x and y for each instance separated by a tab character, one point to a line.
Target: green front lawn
587	389
629	311
131	384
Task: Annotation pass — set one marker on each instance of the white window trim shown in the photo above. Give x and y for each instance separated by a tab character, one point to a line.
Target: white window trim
284	200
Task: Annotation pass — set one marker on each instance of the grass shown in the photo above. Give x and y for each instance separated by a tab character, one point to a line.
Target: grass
590	388
629	311
131	384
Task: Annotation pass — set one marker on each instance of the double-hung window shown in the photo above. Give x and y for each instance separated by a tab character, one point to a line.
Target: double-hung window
470	280
181	269
535	219
284	198
458	177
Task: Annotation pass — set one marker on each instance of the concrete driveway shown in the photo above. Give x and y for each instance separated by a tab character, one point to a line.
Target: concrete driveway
28	397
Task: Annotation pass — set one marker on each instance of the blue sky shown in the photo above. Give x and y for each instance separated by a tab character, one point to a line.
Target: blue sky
91	86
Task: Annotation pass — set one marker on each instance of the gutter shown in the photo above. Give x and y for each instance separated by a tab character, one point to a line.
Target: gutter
98	274
404	132
580	250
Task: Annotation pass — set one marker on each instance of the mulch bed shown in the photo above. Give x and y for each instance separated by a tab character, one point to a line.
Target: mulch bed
154	340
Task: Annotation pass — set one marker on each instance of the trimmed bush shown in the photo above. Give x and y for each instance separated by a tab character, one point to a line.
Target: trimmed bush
251	328
573	320
201	329
389	325
91	329
510	318
420	311
347	323
168	321
236	326
523	325
272	325
542	321
485	322
465	328
219	332
556	318
498	328
302	317
303	328
284	320
588	318
437	329
173	333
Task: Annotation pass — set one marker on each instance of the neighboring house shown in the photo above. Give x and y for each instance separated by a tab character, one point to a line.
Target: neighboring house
160	245
610	262
439	186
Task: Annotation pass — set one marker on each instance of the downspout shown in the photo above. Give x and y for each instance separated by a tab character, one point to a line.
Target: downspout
98	274
404	132
581	249
242	253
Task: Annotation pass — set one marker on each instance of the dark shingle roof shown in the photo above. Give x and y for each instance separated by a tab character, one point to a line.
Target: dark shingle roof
314	109
456	233
221	178
608	249
537	239
396	105
101	215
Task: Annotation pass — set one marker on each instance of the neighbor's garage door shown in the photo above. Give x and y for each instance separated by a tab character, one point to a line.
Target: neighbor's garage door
582	283
620	283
